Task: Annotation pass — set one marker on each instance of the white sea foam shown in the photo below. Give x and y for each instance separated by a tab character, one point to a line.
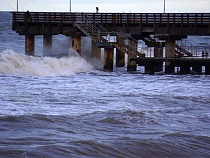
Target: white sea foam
19	64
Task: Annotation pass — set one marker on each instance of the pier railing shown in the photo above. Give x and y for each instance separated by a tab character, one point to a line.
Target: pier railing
176	24
195	51
121	18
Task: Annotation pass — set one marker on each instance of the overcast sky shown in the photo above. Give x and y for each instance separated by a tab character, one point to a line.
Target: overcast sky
120	6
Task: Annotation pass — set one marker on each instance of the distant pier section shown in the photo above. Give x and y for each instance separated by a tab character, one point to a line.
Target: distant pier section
122	31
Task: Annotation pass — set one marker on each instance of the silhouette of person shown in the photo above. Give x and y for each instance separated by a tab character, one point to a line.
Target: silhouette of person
28	16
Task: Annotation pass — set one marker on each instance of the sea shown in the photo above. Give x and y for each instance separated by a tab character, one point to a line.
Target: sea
68	107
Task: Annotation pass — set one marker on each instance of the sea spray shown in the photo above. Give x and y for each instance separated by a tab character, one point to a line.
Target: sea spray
18	64
92	60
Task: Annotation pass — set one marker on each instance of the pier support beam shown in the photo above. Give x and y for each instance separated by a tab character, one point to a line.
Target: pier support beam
197	69
76	44
149	69
170	52
96	51
207	70
184	69
158	52
47	45
29	44
131	65
120	58
108	59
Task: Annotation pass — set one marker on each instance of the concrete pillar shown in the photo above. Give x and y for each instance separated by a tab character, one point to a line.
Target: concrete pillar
207	70
197	69
47	45
29	44
158	52
108	59
184	69
96	52
170	48
131	66
120	58
76	44
149	69
170	53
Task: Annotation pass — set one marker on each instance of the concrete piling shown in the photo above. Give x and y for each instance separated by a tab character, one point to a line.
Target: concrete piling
184	69
47	45
197	69
158	52
149	69
207	69
96	51
131	65
76	44
108	59
29	44
120	58
170	53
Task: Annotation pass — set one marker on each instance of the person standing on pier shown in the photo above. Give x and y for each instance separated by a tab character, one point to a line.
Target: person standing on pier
28	17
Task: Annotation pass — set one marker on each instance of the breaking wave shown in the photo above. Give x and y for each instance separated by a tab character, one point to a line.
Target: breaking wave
19	64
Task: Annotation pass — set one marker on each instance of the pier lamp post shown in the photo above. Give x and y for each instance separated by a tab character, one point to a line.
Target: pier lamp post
17	5
164	6
70	5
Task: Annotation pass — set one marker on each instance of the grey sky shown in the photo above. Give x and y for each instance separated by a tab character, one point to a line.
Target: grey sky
108	5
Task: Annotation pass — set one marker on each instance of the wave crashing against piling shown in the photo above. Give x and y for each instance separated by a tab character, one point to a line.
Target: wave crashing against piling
19	64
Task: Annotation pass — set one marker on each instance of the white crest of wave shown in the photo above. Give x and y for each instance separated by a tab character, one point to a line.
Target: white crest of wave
18	64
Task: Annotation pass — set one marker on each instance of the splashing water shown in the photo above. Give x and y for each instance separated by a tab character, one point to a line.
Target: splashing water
18	64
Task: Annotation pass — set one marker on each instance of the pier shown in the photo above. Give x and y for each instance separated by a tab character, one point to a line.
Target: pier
122	31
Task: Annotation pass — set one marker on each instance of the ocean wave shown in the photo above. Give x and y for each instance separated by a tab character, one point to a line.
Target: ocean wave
67	136
19	64
123	148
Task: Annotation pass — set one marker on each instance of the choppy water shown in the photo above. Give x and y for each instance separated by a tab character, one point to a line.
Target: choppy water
65	107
